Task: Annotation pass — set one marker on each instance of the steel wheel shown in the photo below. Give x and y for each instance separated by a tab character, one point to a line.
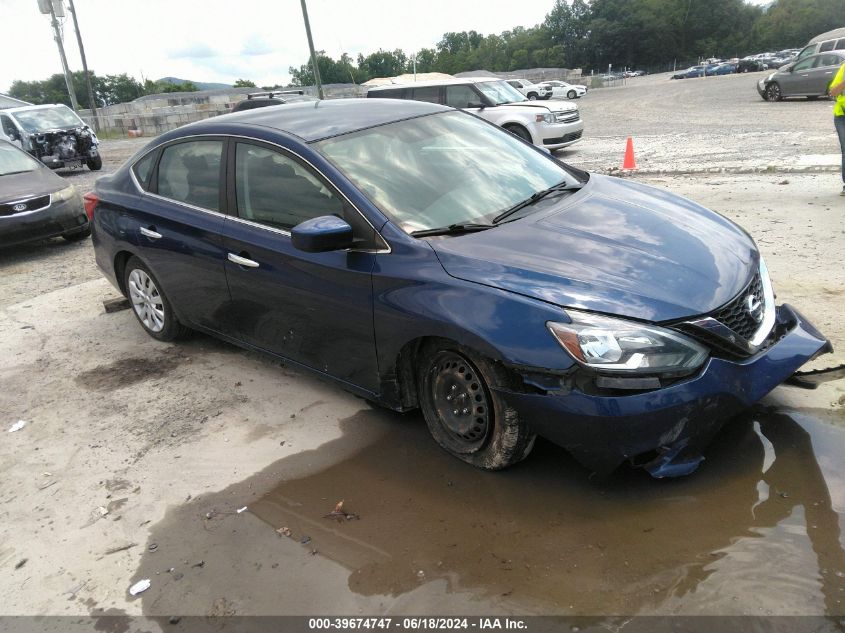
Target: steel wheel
146	300
461	402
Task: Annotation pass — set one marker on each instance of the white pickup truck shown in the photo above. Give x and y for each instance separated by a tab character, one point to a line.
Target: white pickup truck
548	124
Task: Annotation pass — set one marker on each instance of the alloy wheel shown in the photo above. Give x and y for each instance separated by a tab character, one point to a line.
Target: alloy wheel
146	300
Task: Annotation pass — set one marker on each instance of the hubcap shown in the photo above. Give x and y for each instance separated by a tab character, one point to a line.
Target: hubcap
461	401
146	300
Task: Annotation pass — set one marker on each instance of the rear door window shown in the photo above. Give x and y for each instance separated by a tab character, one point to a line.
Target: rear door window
190	172
461	96
827	46
430	94
829	60
840	45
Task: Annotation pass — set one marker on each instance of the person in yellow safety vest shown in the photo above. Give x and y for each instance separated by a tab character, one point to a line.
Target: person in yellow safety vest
836	90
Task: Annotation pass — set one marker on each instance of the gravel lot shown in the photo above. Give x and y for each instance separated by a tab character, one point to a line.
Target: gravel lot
137	454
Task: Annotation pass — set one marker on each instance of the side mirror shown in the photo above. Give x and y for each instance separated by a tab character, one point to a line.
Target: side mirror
319	235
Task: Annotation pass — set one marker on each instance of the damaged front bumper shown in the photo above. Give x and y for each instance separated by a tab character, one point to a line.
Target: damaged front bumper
666	430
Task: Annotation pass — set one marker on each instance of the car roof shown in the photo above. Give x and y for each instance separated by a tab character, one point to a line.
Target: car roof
34	107
316	120
438	82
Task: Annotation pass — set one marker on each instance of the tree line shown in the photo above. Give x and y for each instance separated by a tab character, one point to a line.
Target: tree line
107	89
586	34
595	34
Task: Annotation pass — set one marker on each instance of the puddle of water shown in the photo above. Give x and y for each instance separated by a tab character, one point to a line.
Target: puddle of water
543	532
757	530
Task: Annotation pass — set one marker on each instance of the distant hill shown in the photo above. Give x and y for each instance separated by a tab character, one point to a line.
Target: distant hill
202	85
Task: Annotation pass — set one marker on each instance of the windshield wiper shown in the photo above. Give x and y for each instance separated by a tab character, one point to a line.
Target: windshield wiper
560	187
453	229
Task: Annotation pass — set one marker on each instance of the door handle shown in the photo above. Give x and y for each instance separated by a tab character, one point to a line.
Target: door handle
150	233
243	261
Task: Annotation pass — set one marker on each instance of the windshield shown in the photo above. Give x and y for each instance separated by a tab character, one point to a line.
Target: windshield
15	161
500	92
42	119
442	169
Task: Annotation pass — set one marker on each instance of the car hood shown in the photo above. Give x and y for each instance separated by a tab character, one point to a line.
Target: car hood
552	106
613	247
28	184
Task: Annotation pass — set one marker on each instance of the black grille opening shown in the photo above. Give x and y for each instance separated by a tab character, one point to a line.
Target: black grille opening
22	206
736	314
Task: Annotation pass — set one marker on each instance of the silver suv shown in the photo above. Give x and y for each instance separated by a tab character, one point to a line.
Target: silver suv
551	125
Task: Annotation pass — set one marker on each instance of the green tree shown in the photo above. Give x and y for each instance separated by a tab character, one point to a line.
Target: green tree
243	83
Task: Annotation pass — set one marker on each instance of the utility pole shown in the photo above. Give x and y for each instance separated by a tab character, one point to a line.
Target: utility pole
91	102
58	36
313	53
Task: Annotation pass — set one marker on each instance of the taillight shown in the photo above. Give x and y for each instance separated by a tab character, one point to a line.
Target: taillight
91	200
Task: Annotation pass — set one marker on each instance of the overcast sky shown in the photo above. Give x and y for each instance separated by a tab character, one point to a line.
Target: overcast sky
223	40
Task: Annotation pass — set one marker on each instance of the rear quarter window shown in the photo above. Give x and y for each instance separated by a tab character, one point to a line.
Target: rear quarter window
391	93
143	169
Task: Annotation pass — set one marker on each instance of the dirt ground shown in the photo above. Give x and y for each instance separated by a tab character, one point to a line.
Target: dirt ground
137	455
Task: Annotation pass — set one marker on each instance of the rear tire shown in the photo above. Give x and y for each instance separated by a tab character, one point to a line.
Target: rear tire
95	163
519	131
149	303
466	418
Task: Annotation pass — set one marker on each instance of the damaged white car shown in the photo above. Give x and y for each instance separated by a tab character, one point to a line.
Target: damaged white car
54	134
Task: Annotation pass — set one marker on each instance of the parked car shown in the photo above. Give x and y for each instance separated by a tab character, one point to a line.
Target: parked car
721	69
692	71
561	89
54	134
420	257
35	203
551	125
750	66
268	98
809	77
531	90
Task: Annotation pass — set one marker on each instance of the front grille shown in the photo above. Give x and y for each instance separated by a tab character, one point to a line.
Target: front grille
22	206
566	138
567	117
737	316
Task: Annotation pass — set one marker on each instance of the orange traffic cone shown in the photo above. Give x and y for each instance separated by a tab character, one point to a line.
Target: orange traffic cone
629	162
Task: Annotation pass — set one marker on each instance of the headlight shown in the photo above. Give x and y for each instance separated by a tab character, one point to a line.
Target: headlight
65	194
545	118
615	345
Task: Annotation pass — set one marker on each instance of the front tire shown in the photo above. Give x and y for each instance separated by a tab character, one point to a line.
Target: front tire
773	92
467	418
149	303
571	94
520	131
532	96
95	163
78	236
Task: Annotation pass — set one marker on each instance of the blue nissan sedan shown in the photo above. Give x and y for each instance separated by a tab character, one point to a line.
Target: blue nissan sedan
421	257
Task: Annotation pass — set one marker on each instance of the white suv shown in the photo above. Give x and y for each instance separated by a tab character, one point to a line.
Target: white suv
531	90
550	125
